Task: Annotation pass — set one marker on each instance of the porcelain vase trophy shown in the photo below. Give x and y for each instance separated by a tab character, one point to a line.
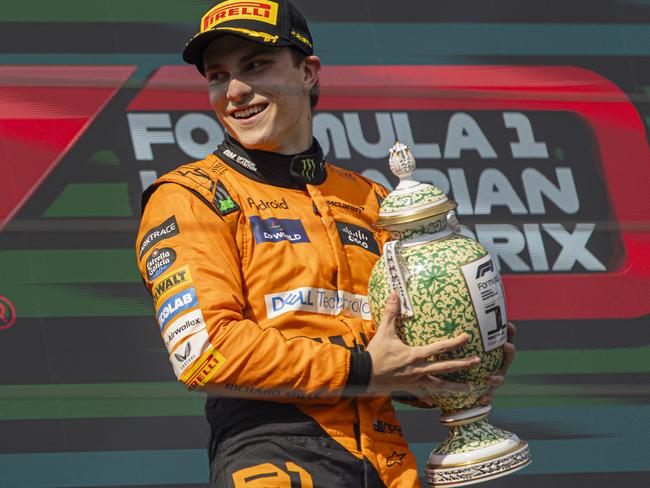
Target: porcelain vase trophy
447	284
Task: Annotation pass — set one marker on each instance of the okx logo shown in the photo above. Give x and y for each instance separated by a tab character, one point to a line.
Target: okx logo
7	313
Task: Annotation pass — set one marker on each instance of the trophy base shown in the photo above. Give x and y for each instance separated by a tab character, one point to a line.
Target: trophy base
475	451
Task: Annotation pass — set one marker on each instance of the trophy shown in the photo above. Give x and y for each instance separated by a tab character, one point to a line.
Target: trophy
447	284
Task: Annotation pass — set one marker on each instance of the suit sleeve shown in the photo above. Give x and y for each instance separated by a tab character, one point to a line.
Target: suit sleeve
189	261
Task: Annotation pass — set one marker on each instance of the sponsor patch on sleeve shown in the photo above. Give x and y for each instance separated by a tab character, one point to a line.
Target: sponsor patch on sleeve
355	235
276	230
203	369
159	261
189	351
170	282
183	327
167	229
183	300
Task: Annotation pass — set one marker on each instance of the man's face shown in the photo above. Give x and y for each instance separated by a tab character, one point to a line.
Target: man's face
259	95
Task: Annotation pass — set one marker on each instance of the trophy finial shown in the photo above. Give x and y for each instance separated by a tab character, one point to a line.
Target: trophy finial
402	162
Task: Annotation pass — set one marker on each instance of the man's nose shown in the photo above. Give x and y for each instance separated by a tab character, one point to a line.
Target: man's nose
238	89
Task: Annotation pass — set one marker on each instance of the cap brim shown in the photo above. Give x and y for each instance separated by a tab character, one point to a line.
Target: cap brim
193	52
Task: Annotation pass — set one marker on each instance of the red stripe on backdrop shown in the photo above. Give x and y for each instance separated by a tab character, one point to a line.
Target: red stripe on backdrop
43	112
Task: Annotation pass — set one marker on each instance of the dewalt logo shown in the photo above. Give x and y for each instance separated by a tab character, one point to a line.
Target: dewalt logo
169	282
263	11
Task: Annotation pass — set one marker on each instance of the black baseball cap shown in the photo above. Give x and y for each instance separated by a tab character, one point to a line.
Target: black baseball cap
270	22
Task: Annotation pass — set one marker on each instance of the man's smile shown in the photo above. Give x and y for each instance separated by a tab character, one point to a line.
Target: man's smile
248	112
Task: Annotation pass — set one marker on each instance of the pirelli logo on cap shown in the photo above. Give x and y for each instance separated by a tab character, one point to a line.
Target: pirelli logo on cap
262	11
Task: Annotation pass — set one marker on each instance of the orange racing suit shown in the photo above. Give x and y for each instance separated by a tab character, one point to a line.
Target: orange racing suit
258	266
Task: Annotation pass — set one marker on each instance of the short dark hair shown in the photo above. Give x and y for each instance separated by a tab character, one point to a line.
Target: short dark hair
298	56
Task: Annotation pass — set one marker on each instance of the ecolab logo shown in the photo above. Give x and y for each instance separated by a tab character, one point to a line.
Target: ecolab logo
317	300
176	303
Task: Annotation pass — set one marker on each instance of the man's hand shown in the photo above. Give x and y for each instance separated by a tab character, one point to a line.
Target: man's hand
396	366
496	380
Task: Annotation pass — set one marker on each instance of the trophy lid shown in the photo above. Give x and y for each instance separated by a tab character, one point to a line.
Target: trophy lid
410	201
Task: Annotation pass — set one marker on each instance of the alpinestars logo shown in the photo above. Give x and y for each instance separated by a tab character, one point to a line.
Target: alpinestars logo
241	160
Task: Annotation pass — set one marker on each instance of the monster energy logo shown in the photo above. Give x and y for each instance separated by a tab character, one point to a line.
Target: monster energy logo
308	168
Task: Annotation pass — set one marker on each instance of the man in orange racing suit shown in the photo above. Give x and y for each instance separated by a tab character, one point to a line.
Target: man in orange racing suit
258	258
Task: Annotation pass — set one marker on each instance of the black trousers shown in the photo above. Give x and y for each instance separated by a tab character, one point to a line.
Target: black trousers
276	446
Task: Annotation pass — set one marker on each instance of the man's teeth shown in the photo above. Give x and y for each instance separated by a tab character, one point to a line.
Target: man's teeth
240	114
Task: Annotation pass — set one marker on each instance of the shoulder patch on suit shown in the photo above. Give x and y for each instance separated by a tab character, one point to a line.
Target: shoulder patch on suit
223	201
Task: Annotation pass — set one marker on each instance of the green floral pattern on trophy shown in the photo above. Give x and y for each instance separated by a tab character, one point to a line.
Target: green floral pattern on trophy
442	309
415	231
469	437
397	202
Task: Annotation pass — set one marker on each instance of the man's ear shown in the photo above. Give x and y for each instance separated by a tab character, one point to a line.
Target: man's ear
311	71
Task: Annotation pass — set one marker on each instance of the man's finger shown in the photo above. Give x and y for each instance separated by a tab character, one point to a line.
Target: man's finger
508	356
486	400
421	393
512	332
391	310
423	352
495	380
450	365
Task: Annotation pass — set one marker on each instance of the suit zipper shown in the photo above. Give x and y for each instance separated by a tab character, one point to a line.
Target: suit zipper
357	426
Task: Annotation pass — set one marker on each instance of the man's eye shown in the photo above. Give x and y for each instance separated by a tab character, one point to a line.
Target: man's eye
257	65
217	76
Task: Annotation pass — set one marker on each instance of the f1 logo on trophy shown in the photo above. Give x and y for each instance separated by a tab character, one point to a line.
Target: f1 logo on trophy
447	284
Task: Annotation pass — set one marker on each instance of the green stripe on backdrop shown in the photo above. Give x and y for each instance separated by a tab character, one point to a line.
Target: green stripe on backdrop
91	200
114	400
